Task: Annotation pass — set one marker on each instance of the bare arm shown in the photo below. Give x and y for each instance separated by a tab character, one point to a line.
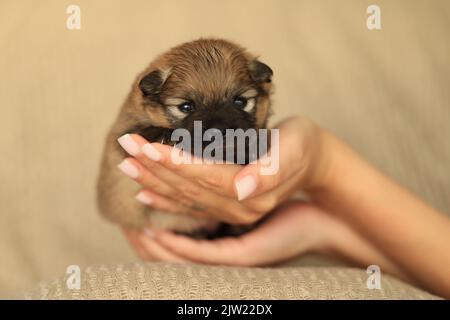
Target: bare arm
407	230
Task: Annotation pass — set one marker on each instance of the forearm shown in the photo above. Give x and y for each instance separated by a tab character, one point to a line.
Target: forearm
408	231
344	242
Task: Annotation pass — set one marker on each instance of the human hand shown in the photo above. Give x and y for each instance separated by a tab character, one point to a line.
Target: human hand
292	229
225	192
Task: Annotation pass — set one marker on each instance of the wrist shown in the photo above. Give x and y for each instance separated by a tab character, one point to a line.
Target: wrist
329	235
321	232
335	164
320	164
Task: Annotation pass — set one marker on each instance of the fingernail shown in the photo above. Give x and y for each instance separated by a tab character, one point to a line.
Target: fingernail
128	144
129	169
149	233
143	198
245	187
151	152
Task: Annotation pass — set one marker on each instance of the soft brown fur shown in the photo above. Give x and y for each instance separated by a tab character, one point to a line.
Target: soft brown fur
207	70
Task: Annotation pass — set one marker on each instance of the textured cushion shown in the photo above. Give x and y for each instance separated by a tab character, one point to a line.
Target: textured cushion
174	281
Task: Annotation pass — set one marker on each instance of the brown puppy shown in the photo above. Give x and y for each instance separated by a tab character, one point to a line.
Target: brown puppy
212	80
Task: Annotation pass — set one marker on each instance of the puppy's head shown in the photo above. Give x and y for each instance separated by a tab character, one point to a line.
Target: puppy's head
214	81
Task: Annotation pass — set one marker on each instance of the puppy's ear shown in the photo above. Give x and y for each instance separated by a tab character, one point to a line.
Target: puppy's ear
260	72
151	85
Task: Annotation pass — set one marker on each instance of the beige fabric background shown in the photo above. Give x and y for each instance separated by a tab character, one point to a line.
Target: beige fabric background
385	92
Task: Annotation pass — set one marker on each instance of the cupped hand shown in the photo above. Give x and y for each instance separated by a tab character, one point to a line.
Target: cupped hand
228	192
292	229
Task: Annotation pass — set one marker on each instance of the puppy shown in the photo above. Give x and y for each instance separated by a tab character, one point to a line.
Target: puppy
209	80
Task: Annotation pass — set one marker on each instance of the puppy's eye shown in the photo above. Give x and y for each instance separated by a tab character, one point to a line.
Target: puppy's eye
186	107
244	104
240	102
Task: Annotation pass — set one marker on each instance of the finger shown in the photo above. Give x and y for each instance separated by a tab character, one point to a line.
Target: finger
133	169
166	198
156	201
181	186
218	207
281	163
276	239
192	194
159	194
133	238
269	200
215	177
155	251
228	251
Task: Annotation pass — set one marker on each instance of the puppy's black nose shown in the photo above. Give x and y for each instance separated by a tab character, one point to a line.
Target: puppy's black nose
220	126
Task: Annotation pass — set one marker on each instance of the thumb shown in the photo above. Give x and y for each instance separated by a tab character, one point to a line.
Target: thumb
284	160
261	176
